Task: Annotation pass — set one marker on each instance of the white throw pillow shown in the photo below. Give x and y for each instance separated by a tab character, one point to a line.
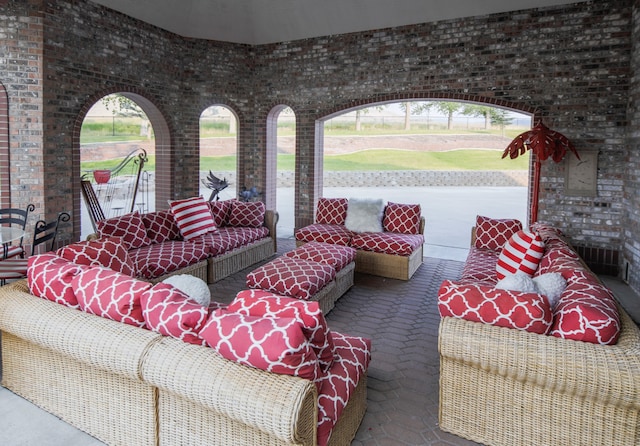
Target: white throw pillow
197	289
364	215
551	285
517	282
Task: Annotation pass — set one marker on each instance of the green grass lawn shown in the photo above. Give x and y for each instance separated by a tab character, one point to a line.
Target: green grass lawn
376	159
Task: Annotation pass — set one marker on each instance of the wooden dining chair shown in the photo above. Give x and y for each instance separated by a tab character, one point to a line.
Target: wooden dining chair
17	218
44	239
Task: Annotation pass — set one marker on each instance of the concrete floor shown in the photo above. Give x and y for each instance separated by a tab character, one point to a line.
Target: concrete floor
400	317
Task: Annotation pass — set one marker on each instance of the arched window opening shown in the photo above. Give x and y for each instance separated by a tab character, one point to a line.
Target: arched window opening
218	153
117	160
444	155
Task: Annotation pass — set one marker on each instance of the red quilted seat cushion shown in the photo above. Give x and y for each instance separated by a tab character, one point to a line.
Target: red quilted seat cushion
512	309
480	266
128	227
317	232
308	314
157	260
387	242
107	252
110	294
170	312
402	218
161	226
587	312
220	210
350	364
246	214
337	256
49	276
493	233
297	278
331	211
277	345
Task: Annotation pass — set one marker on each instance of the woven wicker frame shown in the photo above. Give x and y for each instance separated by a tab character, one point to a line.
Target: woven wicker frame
389	265
334	290
198	270
238	259
501	386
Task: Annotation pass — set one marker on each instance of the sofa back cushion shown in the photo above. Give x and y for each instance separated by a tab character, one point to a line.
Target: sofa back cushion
108	252
161	226
331	211
522	253
128	227
110	294
277	345
220	210
49	277
246	214
193	217
493	233
402	218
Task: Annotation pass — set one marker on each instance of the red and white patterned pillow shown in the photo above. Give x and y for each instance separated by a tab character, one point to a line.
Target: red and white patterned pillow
161	226
586	311
170	312
522	252
308	314
402	218
492	233
331	211
49	276
504	308
220	211
108	252
246	214
109	294
128	227
277	345
193	217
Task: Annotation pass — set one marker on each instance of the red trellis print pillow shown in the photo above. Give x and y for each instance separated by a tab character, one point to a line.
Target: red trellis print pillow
246	214
402	218
331	211
129	227
492	233
107	252
50	277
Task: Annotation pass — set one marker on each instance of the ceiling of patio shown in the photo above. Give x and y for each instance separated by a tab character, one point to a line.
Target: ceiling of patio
267	21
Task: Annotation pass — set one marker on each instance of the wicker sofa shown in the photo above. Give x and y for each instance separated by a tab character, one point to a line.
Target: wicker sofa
506	386
127	385
245	234
395	251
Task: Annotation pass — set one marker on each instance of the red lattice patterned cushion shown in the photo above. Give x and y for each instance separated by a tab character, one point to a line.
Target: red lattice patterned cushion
291	277
337	256
308	314
480	266
492	233
246	214
49	276
109	294
331	211
128	227
522	253
587	312
107	252
387	242
154	261
193	217
504	308
320	232
170	312
402	218
352	357
277	345
220	211
161	226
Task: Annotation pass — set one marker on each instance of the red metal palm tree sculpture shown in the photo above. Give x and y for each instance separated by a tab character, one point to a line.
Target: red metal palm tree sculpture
544	143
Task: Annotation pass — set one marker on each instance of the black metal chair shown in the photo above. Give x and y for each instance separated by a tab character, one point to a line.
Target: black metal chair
16	218
44	236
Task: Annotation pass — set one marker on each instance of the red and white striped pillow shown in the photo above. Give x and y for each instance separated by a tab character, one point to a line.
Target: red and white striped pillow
522	252
193	217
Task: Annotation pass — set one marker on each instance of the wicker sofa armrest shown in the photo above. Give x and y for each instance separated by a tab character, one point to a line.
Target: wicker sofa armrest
105	344
283	406
271	218
422	224
593	371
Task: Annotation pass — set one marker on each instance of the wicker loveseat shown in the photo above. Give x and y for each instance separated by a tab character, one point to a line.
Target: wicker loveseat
128	385
506	386
394	251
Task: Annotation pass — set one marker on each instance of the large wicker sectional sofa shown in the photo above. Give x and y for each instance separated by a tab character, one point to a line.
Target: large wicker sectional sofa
515	370
393	250
136	363
241	235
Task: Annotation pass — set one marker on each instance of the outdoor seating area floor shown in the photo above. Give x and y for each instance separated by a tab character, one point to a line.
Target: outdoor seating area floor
400	317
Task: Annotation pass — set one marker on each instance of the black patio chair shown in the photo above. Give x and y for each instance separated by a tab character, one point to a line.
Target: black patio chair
16	218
